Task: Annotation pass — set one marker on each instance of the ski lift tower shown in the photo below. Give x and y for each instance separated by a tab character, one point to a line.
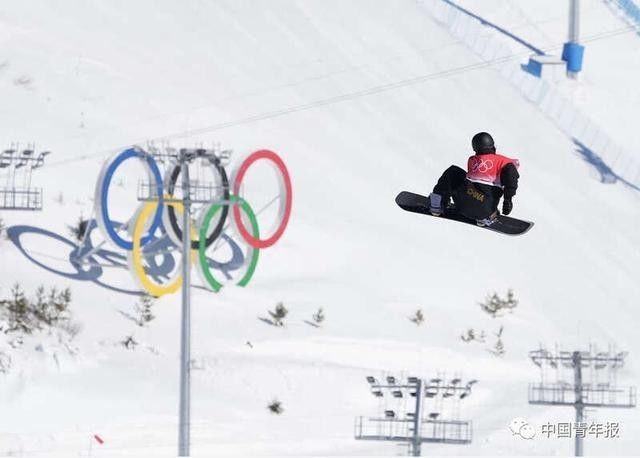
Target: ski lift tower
411	422
18	164
590	386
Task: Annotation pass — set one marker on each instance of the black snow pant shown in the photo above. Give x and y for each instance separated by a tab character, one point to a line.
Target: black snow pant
473	200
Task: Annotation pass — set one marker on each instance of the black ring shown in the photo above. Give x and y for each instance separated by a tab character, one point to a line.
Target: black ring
173	220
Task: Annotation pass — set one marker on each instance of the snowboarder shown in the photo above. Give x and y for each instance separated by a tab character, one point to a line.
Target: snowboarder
476	193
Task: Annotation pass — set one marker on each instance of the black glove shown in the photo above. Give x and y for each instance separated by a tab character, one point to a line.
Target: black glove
507	206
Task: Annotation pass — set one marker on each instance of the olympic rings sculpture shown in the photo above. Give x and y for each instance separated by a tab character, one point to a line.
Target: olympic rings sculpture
157	219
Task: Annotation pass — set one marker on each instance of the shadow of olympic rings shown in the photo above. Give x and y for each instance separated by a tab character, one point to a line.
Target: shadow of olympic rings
83	272
88	262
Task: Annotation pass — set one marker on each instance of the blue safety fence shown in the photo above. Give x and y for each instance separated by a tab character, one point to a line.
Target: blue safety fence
489	45
630	10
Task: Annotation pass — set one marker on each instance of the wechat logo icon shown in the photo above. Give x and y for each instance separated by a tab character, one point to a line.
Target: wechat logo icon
521	427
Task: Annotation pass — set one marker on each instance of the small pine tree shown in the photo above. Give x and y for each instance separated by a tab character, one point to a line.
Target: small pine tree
494	305
78	230
129	343
418	318
491	305
318	317
469	336
279	314
143	307
19	315
63	300
2	229
498	348
42	308
472	335
275	407
51	309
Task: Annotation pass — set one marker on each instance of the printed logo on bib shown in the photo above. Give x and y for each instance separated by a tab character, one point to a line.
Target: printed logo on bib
482	166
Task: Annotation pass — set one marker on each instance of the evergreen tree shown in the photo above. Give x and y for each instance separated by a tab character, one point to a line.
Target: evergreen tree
498	348
63	300
78	230
129	343
42	308
275	407
143	307
318	317
469	336
19	315
279	314
418	318
494	305
52	308
472	335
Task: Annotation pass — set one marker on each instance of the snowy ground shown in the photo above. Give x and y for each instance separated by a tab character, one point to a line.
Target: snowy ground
85	79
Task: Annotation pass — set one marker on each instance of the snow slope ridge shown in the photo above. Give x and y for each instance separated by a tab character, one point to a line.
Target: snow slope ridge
104	74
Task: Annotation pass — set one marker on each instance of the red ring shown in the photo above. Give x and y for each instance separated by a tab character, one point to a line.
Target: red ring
253	157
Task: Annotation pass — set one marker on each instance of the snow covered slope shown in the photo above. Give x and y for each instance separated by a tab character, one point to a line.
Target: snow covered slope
608	90
362	99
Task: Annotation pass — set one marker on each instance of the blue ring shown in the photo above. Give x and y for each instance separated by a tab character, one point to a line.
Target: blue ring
106	182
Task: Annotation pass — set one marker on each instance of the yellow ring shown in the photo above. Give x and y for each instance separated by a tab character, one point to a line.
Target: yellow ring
135	255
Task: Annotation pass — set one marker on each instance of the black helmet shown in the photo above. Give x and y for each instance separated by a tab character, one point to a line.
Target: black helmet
483	143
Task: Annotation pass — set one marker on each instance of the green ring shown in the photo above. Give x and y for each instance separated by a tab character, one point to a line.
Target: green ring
202	246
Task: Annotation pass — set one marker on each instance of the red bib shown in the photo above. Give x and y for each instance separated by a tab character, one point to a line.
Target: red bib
486	168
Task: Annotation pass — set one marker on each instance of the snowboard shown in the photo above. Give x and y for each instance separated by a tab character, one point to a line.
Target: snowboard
417	203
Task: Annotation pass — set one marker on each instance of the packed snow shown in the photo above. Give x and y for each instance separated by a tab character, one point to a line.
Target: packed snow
362	99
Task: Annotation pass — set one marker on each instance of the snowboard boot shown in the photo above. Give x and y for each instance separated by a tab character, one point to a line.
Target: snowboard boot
436	204
488	221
